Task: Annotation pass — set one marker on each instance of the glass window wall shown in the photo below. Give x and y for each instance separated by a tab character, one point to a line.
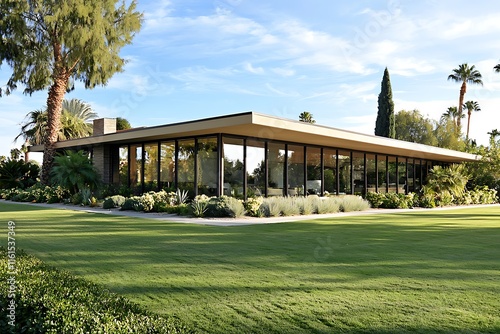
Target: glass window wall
136	168
276	169
344	172
296	169
167	165
330	173
207	166
233	167
151	167
256	168
313	183
185	163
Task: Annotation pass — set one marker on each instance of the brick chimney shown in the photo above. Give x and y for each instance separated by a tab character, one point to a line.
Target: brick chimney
104	126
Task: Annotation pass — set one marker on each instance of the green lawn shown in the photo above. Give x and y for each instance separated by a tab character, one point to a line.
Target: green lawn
427	272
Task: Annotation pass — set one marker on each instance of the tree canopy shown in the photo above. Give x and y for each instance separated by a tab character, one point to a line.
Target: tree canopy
52	44
413	127
384	125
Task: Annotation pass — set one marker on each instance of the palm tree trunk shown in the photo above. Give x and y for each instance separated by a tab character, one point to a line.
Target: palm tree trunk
469	114
54	110
463	90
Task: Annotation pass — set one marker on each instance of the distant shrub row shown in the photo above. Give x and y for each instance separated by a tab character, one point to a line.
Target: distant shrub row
431	199
226	206
51	301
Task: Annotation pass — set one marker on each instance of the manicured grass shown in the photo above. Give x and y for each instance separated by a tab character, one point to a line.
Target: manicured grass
426	272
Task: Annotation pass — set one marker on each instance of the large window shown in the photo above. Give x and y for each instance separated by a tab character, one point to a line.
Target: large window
403	184
411	175
313	184
371	173
345	172
418	175
382	173
123	165
233	167
186	166
136	168
358	172
330	167
151	167
256	168
392	169
276	172
207	166
167	165
296	170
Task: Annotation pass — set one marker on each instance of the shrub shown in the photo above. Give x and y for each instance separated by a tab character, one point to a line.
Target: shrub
253	204
270	207
18	174
75	171
132	203
350	203
226	206
115	201
147	202
37	193
53	301
328	205
307	205
375	199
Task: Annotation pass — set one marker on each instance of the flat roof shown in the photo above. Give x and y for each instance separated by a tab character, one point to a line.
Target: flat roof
261	126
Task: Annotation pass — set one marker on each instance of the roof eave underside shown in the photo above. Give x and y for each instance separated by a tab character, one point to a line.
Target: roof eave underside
267	127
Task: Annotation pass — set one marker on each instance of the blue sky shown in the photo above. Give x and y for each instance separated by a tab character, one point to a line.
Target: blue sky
195	59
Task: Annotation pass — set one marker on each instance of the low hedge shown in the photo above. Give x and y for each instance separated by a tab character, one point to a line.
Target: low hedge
53	301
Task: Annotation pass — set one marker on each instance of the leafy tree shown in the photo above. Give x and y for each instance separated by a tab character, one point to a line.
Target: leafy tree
18	174
447	137
306	117
487	171
75	172
52	44
464	74
122	124
385	124
470	106
413	127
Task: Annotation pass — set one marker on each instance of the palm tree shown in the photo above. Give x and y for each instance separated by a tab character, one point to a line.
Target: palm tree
497	68
470	106
34	130
451	114
74	123
465	74
75	119
306	117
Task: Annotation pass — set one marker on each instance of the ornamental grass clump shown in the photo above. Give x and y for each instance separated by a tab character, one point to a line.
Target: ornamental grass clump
328	205
351	203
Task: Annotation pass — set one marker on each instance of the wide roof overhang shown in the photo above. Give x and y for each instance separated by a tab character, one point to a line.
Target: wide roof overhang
251	124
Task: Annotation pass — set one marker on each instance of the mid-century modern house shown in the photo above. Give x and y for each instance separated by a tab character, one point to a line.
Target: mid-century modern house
248	154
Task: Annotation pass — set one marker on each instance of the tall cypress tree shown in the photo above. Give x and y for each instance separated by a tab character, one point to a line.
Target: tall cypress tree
385	125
